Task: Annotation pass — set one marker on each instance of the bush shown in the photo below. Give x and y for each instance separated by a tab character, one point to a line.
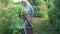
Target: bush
39	12
9	21
54	17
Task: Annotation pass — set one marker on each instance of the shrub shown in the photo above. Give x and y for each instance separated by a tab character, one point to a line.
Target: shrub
39	12
54	17
9	21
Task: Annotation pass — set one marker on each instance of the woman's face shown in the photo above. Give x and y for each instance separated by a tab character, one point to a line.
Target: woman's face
23	2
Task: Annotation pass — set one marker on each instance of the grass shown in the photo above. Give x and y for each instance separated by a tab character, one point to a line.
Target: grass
40	26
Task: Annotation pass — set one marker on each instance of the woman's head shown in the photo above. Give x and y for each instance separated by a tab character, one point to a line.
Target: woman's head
24	2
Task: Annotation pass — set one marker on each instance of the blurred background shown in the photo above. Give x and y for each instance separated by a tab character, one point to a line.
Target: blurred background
46	18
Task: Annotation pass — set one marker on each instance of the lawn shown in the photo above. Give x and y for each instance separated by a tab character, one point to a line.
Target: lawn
40	26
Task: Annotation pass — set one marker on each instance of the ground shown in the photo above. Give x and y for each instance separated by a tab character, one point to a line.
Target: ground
42	26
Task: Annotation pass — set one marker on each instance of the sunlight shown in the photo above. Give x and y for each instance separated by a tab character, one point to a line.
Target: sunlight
15	1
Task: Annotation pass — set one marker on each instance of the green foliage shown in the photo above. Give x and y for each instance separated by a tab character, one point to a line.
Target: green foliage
6	2
54	15
57	4
36	11
9	20
24	11
39	12
35	2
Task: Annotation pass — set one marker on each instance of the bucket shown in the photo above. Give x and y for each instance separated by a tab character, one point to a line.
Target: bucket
29	30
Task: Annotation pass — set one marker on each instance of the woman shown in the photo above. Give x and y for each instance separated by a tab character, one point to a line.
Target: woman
30	10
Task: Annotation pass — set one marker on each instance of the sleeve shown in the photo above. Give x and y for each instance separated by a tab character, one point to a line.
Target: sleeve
28	8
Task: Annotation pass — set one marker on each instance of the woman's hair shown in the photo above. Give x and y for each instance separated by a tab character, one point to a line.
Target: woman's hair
23	1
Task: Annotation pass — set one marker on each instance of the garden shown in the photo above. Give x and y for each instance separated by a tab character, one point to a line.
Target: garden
46	19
